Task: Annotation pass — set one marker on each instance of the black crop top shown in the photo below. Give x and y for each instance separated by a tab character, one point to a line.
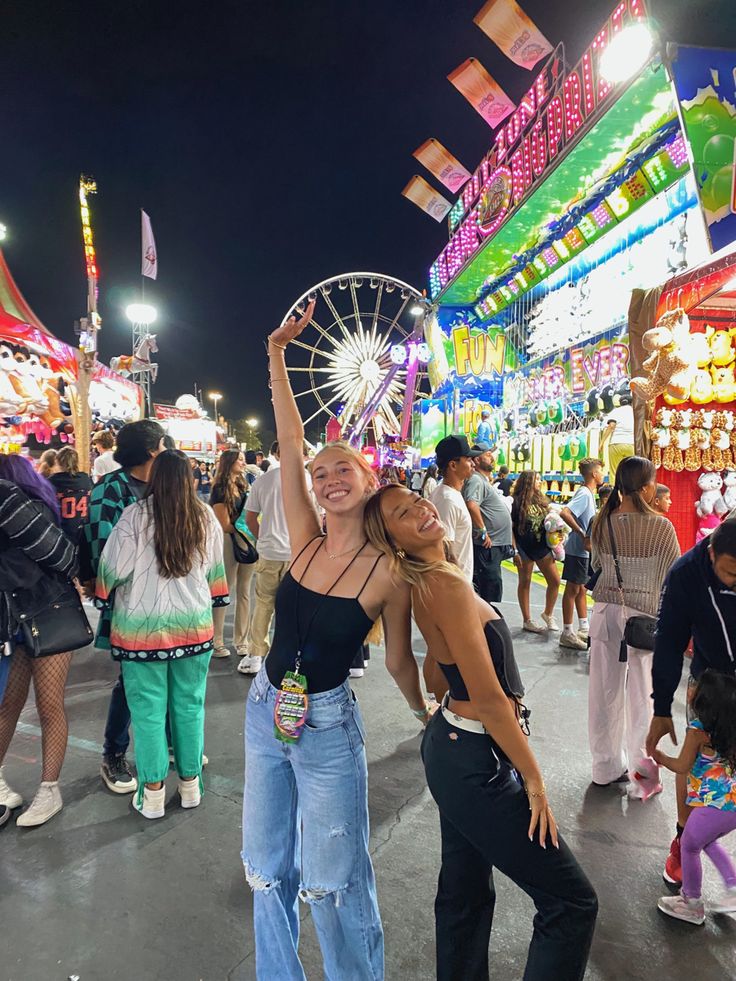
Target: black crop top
332	629
501	649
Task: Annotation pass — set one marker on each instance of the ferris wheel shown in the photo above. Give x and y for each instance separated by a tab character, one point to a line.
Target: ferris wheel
363	357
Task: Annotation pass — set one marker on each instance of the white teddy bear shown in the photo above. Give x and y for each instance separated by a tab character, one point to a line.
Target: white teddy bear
711	501
729	494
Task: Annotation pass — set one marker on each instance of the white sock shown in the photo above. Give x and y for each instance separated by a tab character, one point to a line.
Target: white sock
584	625
567	627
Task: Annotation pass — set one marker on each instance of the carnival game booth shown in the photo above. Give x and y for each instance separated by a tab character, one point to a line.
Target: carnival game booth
588	192
686	394
39	404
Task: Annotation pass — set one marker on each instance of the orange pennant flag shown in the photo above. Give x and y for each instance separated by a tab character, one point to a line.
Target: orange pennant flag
517	36
440	162
482	91
424	196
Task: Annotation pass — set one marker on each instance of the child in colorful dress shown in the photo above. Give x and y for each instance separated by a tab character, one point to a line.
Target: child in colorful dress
163	560
709	758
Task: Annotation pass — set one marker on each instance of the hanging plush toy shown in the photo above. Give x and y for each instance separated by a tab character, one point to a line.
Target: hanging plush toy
729	490
711	501
592	403
556	533
671	363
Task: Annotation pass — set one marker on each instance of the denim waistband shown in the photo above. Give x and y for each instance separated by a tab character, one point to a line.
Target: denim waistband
263	688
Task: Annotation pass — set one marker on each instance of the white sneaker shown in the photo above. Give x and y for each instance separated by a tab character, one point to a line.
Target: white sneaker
45	804
552	624
682	908
189	793
153	804
221	652
583	634
533	627
357	672
250	664
726	903
8	796
572	641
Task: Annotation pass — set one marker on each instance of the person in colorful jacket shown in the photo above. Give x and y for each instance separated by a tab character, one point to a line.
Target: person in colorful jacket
164	562
138	444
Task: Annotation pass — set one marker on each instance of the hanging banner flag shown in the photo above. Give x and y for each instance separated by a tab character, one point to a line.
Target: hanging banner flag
517	36
440	162
149	260
424	196
482	91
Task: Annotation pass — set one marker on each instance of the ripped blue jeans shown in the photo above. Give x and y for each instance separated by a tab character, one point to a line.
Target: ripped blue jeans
305	836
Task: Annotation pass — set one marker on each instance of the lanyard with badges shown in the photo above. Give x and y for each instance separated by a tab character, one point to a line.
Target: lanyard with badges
292	701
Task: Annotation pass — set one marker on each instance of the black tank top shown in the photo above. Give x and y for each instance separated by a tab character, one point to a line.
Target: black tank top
501	649
327	629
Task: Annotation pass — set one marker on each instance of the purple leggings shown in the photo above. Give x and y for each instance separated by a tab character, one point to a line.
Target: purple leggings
703	829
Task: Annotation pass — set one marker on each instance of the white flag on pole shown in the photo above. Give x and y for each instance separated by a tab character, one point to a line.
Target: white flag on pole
149	259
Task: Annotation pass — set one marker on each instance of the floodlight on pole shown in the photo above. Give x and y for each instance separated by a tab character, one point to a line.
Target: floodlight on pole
626	53
252	422
416	309
3	232
215	396
141	313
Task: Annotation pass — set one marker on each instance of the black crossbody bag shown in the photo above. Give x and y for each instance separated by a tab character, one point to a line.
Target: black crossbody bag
639	630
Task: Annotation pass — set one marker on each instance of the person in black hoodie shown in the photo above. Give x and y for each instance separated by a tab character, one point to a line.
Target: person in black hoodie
72	492
699	602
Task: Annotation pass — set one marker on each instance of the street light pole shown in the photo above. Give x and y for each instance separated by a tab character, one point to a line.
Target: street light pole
215	396
141	316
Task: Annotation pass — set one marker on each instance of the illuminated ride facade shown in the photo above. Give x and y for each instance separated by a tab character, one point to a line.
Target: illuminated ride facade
593	192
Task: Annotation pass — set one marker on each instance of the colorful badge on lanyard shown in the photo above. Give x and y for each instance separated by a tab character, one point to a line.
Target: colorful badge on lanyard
292	702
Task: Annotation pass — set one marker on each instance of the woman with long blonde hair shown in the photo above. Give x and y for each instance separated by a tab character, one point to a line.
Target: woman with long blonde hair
528	511
227	498
481	771
305	807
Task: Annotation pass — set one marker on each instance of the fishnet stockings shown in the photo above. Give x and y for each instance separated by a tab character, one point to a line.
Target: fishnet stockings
49	681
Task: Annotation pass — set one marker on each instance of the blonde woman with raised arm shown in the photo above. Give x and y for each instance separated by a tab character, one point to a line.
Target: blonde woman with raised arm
305	809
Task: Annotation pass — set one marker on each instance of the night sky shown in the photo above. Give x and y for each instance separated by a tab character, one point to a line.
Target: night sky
269	142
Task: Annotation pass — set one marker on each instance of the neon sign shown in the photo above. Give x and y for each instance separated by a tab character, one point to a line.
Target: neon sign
88	186
478	354
547	121
401	353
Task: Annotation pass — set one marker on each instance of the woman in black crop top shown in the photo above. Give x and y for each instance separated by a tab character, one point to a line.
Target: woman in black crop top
480	768
305	809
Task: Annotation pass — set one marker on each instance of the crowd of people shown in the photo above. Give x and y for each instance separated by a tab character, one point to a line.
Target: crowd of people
319	556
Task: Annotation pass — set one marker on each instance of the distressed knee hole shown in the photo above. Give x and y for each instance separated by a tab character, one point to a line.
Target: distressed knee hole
259	882
317	896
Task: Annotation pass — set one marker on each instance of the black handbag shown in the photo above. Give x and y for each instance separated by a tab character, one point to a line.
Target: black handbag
244	550
639	630
56	627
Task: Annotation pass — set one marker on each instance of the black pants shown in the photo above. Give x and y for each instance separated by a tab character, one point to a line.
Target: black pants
117	729
487	576
484	819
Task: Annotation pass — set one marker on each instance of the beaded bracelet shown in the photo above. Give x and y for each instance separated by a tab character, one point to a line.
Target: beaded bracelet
421	713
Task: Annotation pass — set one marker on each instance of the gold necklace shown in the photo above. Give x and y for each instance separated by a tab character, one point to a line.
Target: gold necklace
339	555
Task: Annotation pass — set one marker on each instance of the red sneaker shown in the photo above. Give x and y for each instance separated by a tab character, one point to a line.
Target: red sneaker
673	866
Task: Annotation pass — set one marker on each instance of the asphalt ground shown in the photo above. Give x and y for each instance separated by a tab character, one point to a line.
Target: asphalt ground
100	894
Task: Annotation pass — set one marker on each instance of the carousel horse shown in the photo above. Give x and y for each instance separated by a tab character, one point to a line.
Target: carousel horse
139	361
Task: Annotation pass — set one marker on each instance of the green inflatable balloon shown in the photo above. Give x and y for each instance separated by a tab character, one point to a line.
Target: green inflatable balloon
564	451
542	413
501	458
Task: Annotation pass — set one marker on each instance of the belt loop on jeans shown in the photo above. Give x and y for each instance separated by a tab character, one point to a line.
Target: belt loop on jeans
459	721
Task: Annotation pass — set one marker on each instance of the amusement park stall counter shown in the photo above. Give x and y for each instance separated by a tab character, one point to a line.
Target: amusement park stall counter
39	401
591	191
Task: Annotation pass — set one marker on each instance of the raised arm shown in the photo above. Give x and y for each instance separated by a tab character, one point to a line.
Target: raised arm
301	517
451	603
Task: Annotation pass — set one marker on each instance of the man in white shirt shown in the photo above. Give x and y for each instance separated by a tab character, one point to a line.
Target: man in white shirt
454	462
274	555
619	434
104	443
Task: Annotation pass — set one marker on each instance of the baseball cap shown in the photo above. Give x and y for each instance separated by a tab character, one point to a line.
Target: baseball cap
452	448
481	446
